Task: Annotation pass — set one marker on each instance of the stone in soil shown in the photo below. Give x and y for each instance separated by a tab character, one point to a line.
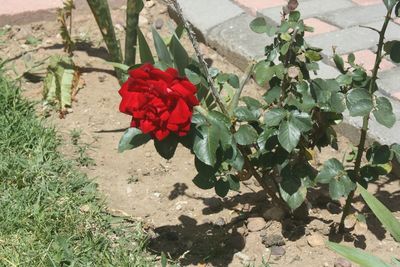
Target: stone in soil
277	251
315	240
273	240
340	262
159	23
220	222
245	259
274	214
256	224
319	226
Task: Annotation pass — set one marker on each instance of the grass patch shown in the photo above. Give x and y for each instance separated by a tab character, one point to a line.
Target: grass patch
50	213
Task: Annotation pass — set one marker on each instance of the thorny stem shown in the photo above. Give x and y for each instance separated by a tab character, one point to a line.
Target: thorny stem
203	64
364	129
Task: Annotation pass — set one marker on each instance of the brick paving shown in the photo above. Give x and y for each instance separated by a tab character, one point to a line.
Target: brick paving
336	23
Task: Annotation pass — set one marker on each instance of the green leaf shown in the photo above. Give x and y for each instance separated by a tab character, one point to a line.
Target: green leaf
258	25
131	139
395	52
274	116
313	55
234	183
167	147
263	73
339	63
251	102
301	120
338	103
332	168
204	181
144	50
295	200
289	136
161	48
245	114
192	76
359	102
396	150
390	4
356	255
264	136
272	95
181	57
206	143
246	135
222	187
384	112
120	66
382	213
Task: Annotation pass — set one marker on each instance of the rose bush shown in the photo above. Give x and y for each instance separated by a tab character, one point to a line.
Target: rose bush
160	102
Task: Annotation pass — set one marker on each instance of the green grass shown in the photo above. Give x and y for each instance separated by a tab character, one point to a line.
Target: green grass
50	213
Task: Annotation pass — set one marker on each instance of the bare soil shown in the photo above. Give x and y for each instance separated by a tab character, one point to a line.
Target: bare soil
194	227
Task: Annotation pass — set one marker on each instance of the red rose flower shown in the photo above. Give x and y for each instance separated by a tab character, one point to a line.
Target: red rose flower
159	101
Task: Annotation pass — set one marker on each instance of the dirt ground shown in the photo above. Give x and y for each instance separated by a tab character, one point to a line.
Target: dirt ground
194	227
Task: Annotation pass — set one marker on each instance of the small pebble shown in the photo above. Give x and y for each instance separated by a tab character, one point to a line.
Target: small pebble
340	262
256	224
159	23
277	251
315	240
220	222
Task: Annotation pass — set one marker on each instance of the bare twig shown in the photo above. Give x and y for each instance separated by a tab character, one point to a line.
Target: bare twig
203	64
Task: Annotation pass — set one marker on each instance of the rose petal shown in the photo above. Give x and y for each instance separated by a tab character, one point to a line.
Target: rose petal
161	134
180	114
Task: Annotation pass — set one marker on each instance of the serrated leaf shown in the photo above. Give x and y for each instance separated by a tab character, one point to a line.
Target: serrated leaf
131	139
272	95
246	135
192	76
258	25
245	114
332	168
144	50
295	200
395	52
161	48
359	102
383	112
263	73
357	255
289	136
167	147
222	187
234	183
274	116
301	120
251	102
338	102
384	215
206	143
204	181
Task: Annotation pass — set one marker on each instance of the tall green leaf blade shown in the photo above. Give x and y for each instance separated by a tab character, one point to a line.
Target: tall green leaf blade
66	87
161	48
144	50
382	213
358	256
181	57
390	3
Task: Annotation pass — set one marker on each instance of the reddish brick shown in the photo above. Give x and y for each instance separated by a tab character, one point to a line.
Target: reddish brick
319	26
397	20
12	7
367	2
254	5
366	58
396	95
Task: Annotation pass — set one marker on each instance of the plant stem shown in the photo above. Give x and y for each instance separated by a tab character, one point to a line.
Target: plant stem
101	12
203	64
133	9
364	129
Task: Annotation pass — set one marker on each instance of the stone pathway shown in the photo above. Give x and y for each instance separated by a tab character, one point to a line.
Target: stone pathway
223	25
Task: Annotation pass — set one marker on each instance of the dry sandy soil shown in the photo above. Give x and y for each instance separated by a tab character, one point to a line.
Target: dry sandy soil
195	227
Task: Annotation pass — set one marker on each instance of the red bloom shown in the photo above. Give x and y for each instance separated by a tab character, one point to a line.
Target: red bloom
159	101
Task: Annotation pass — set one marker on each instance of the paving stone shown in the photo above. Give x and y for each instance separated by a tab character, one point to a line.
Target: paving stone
388	81
325	72
308	8
235	40
11	7
354	16
367	2
366	58
254	5
206	14
319	27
